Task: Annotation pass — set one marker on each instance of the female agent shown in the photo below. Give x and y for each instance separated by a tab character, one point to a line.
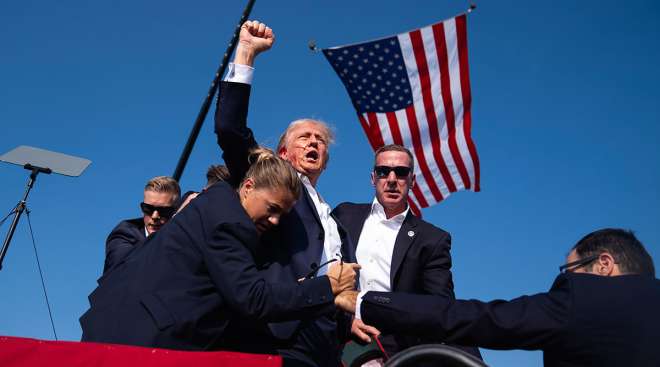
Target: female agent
182	286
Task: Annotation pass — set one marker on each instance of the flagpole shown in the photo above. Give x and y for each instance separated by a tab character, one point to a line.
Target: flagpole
201	116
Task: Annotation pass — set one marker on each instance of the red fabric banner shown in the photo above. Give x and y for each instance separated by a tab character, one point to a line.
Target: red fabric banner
24	352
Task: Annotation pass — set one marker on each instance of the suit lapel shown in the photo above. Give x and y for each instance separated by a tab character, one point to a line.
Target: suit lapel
404	239
350	232
356	225
310	204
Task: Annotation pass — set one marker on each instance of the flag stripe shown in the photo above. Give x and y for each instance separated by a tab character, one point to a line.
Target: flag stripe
372	130
436	95
365	127
461	36
431	118
414	208
418	148
434	72
423	191
441	51
398	139
422	151
394	127
456	95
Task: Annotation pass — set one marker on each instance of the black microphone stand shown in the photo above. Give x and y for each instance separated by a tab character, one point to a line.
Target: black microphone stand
20	207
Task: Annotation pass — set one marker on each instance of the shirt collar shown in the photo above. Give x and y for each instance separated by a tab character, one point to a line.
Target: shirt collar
378	210
310	188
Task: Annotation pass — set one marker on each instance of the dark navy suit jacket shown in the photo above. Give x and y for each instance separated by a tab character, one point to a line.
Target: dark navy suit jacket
421	263
296	244
182	286
122	240
584	320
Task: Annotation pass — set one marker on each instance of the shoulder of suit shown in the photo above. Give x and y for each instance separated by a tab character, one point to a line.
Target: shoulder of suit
132	228
428	228
130	224
347	206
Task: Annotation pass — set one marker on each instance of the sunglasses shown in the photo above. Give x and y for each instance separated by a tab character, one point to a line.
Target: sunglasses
577	264
163	211
384	171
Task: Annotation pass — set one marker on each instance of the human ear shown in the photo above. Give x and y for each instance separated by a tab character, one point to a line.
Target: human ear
373	179
282	153
605	264
247	186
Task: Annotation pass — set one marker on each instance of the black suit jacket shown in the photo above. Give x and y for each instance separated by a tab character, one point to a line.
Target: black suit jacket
421	263
182	286
122	240
584	320
297	243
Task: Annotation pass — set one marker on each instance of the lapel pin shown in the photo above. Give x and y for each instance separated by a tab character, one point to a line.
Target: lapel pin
411	233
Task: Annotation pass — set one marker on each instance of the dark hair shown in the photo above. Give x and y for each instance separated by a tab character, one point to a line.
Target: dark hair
396	148
216	173
624	247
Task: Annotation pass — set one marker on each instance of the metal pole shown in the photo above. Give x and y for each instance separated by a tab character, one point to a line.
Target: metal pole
201	116
20	207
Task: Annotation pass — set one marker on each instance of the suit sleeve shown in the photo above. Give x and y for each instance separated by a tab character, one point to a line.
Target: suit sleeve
234	137
247	293
527	322
120	243
436	277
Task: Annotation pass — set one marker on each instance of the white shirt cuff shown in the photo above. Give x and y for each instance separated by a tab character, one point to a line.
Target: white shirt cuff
358	303
238	73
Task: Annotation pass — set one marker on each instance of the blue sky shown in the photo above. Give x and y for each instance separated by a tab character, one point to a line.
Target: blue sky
565	119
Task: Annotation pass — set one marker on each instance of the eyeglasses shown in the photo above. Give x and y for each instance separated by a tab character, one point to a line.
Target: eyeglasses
163	211
384	171
577	264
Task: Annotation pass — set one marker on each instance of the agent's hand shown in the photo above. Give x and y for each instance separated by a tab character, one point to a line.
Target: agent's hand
342	276
254	39
363	331
346	300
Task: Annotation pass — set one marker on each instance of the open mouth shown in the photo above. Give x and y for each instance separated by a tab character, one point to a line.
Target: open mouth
312	156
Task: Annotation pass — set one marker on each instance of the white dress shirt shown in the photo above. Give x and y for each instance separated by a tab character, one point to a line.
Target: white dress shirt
374	250
238	73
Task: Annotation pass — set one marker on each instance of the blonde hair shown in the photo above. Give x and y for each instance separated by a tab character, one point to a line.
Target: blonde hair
163	184
267	170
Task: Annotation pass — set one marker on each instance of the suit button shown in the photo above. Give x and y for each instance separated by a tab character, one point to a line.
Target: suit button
323	298
309	301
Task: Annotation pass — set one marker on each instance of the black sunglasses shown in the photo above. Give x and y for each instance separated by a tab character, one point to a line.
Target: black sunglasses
578	264
384	171
163	211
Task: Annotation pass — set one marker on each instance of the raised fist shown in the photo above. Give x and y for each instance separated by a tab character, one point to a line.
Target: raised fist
254	38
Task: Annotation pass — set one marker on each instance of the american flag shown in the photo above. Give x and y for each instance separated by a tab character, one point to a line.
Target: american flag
413	89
